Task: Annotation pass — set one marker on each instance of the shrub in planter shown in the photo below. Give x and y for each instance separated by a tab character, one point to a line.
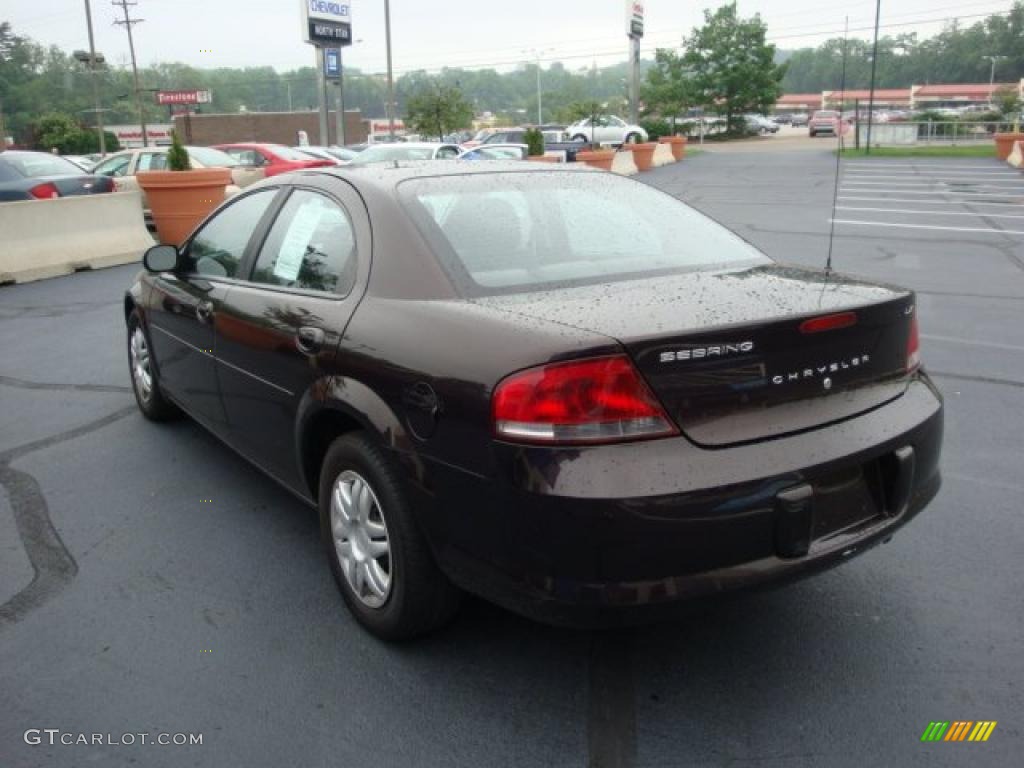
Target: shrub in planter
182	196
535	146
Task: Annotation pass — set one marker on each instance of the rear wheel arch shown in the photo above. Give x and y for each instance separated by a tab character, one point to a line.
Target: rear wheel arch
319	430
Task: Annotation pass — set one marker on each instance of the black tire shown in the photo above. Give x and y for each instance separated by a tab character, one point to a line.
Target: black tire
154	405
420	598
580	137
632	138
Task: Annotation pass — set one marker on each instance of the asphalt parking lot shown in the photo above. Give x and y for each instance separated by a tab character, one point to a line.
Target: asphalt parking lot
151	581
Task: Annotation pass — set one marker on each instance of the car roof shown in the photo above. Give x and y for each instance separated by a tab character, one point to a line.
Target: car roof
415	144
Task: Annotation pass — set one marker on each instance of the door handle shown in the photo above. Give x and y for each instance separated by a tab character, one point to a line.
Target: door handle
204	311
309	339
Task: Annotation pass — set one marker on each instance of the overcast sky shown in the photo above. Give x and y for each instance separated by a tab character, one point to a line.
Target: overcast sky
428	35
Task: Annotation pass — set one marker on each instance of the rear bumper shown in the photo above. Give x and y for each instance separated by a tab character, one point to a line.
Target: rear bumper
623	534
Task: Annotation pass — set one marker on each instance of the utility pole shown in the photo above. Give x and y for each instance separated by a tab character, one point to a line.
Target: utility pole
340	118
321	89
537	54
391	82
95	82
127	24
871	94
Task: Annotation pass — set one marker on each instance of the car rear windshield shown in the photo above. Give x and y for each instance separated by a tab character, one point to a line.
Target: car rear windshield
287	153
510	232
393	152
212	158
36	164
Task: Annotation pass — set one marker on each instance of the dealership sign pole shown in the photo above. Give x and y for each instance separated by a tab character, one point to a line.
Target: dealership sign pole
325	24
635	31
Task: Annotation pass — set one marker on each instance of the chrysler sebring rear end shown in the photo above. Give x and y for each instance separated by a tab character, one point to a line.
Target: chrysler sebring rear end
590	402
644	408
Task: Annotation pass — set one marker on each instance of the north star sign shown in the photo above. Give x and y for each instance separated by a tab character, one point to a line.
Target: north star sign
327	22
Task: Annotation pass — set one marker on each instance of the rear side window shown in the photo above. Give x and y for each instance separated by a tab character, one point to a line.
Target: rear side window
217	249
508	232
311	246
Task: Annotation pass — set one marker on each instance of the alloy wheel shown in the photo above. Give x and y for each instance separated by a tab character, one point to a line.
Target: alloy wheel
360	536
142	374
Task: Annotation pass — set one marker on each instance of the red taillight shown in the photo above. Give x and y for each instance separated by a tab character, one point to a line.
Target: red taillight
829	322
600	400
46	191
913	345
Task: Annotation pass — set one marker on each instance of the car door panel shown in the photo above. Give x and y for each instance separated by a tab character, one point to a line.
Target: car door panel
184	306
278	334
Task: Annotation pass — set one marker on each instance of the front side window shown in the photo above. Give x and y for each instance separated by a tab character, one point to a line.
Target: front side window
311	246
508	232
218	247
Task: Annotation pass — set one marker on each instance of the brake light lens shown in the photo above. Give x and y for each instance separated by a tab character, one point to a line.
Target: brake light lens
829	322
913	345
600	400
46	191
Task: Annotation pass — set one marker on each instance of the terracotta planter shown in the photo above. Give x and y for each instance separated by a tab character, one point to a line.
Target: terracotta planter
678	144
601	158
1005	142
181	199
542	158
643	154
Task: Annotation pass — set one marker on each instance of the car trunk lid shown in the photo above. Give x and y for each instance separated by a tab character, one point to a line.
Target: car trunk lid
731	355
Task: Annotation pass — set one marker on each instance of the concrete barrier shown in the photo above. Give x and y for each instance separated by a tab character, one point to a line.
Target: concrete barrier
47	238
663	156
623	164
1016	158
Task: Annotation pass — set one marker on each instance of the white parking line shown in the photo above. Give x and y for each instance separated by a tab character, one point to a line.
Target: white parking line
972	342
945	178
928	226
947	166
911	184
935	192
933	213
924	202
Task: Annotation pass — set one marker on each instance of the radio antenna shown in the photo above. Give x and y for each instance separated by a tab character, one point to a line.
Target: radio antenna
839	151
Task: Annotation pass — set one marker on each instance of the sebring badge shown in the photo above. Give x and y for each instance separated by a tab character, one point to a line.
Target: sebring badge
705	353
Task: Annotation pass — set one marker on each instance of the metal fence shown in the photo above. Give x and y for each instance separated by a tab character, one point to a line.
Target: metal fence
951	132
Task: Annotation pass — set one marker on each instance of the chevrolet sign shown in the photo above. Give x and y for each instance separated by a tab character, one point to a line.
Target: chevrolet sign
327	22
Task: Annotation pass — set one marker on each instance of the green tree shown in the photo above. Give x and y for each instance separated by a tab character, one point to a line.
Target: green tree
733	67
1006	101
436	109
60	131
668	89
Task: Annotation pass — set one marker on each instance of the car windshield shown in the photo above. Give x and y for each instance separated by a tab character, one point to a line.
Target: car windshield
513	232
384	154
287	153
37	164
212	158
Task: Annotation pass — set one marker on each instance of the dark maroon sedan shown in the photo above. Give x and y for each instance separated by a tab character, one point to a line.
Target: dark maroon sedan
554	387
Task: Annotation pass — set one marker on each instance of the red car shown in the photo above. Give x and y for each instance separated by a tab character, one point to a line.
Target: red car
272	158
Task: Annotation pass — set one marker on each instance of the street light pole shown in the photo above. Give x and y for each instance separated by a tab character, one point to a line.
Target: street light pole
871	95
391	82
992	77
537	54
95	84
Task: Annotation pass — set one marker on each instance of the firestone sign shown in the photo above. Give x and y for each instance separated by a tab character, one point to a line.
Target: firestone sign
327	22
182	97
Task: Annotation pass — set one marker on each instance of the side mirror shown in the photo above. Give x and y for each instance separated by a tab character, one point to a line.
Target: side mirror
161	258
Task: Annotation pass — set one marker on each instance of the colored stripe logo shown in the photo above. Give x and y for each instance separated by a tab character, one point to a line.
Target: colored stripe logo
959	730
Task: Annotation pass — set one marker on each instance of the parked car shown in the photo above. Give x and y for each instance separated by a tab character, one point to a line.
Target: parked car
337	155
41	176
495	152
760	124
477	138
554	141
558	388
422	150
85	162
783	119
798	119
605	129
122	167
272	158
823	121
